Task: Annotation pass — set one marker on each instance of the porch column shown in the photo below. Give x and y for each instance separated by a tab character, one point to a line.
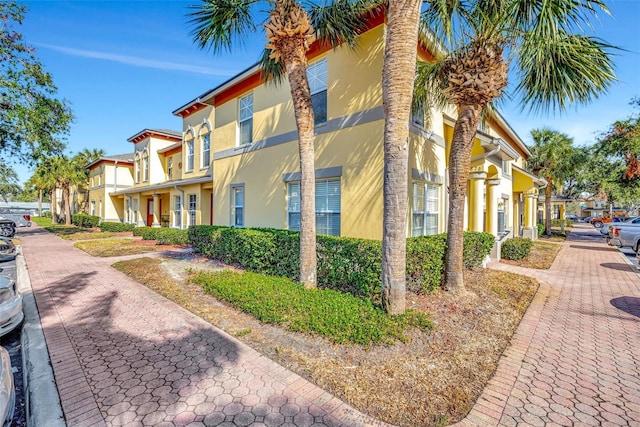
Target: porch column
492	206
530	206
156	211
477	177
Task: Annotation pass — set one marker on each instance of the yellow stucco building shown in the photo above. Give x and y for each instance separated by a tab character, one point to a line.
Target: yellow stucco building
235	161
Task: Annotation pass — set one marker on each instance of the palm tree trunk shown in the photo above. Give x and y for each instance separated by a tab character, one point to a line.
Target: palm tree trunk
67	206
39	201
54	206
397	88
296	65
547	206
459	168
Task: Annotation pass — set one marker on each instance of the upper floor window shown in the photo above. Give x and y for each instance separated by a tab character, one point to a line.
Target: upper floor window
170	168
417	117
245	120
137	167
99	180
145	163
317	76
206	150
506	167
190	155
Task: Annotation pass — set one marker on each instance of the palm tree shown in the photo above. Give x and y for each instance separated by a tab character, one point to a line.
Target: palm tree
40	185
551	158
82	160
403	19
475	43
290	30
45	176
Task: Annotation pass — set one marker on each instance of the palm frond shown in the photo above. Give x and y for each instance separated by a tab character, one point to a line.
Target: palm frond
218	23
427	88
341	21
274	71
566	69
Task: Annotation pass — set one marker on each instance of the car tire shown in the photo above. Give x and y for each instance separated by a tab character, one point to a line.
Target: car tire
597	224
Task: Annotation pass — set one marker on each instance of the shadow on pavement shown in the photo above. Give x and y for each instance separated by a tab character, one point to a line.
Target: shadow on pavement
617	266
593	248
629	305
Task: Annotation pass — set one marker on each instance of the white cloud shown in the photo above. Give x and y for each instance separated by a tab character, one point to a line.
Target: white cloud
137	61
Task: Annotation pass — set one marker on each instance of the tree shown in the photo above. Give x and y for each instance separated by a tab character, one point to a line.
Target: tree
32	120
552	158
290	30
45	180
622	140
9	183
83	159
475	43
403	19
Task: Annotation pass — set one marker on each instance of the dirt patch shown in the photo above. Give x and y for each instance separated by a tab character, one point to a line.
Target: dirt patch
433	379
541	256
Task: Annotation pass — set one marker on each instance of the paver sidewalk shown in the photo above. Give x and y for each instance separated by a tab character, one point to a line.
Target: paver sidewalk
123	355
575	358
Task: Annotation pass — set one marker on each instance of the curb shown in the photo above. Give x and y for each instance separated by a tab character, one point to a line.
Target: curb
42	402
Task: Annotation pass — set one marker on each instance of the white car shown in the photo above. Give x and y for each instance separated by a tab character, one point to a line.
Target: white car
604	230
7	390
11	314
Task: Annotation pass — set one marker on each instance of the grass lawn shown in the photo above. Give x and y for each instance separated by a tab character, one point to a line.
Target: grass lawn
430	376
113	247
542	254
41	221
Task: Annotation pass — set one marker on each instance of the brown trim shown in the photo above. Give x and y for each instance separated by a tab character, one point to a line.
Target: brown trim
173	151
151	134
191	109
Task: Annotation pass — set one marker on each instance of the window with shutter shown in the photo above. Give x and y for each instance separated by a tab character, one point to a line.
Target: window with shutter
328	206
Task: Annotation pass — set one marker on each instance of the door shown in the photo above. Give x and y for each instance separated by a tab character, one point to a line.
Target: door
149	212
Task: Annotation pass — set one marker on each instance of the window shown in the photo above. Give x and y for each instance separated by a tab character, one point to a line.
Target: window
245	120
506	167
237	205
417	117
177	212
317	76
169	168
502	215
137	167
100	208
99	180
424	209
93	207
327	206
206	150
145	163
190	155
135	211
192	209
127	211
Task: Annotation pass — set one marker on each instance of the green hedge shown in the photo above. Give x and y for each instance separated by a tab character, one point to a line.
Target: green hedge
86	221
560	222
540	229
516	248
163	235
345	264
115	227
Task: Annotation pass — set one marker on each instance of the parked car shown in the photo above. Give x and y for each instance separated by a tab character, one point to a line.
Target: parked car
599	221
7	390
7	227
604	230
571	217
22	217
7	249
11	314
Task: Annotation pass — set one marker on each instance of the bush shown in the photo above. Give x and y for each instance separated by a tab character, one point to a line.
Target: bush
561	222
115	227
85	221
162	235
540	229
336	315
516	248
345	264
47	214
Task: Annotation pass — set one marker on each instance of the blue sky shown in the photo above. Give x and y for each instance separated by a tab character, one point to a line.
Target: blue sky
125	65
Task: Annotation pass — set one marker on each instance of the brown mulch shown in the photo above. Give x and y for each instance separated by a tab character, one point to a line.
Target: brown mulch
433	379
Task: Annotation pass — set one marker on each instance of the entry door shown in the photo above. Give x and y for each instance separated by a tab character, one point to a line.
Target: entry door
149	212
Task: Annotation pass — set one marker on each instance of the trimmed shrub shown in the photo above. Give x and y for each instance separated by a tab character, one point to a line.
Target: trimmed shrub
162	235
516	248
561	222
115	227
540	229
84	220
346	264
47	214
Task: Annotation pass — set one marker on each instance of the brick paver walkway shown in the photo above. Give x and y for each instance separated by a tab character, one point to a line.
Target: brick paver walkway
123	355
575	359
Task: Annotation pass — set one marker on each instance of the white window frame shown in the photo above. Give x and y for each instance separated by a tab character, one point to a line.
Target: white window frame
193	205
137	167
93	208
177	211
317	77
245	117
136	206
205	157
237	206
169	168
127	210
293	205
505	212
190	153
423	195
145	166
